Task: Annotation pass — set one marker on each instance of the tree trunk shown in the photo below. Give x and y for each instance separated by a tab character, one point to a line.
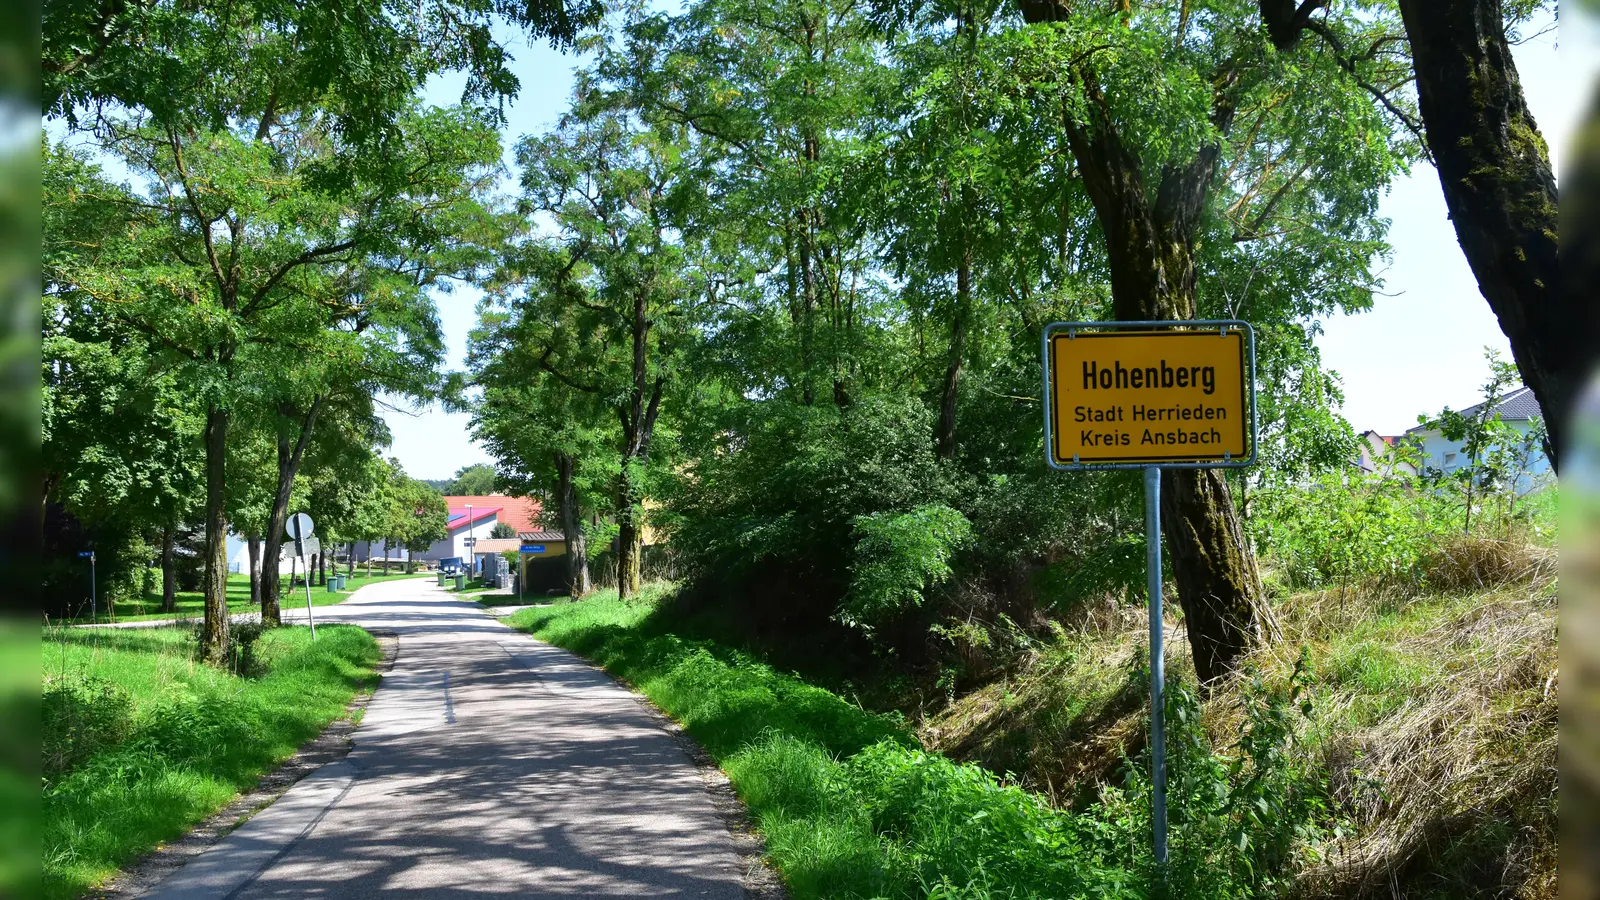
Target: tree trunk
214	630
255	570
289	455
628	552
1495	171
369	559
945	438
1213	566
350	559
169	571
578	584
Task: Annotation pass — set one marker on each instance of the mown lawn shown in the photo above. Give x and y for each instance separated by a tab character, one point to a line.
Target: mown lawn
141	742
847	802
191	604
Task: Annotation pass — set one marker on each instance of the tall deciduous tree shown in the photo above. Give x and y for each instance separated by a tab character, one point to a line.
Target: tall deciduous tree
1494	169
1239	143
552	439
248	249
620	297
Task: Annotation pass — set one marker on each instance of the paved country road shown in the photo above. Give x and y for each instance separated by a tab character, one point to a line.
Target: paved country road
488	764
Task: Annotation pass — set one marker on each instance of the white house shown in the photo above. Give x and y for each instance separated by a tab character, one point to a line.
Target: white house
1518	409
239	556
1375	455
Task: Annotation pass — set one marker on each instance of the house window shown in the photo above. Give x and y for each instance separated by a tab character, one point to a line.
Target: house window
1449	460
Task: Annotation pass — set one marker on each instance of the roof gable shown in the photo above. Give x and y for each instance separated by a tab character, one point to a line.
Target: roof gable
521	513
1518	406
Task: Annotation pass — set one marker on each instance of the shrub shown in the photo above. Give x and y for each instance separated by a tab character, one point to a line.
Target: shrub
240	654
83	714
1338	530
898	556
775	518
1240	821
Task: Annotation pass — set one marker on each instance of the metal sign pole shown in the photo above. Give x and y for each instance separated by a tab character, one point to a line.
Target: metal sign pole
94	598
309	620
295	531
1158	738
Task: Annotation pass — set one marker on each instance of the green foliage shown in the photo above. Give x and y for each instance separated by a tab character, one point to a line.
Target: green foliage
470	481
897	557
502	530
1339	530
1497	456
1242	822
83	714
783	507
418	515
145	743
206	63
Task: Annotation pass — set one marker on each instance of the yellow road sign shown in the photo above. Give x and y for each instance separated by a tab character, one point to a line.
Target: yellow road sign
1130	394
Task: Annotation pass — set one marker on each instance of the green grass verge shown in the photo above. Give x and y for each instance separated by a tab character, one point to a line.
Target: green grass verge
848	803
191	604
145	742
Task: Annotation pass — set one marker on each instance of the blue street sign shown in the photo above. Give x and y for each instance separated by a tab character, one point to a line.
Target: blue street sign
85	554
532	548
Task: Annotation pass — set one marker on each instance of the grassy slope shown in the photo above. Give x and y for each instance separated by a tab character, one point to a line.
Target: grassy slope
191	604
1435	716
194	736
1434	719
849	807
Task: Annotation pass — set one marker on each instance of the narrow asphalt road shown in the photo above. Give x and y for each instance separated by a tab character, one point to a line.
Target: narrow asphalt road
488	764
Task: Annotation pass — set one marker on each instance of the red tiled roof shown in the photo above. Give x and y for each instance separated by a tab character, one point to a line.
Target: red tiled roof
521	513
458	515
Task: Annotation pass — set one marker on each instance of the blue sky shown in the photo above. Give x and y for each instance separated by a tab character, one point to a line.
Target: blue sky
1419	349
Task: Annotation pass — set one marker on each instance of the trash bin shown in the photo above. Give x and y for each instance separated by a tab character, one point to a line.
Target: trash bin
340	582
441	578
333	585
461	581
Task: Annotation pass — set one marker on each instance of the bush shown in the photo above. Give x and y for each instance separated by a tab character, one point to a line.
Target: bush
897	557
775	518
1339	531
240	654
83	714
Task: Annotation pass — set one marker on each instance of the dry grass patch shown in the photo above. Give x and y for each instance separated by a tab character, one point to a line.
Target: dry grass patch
1437	724
1435	719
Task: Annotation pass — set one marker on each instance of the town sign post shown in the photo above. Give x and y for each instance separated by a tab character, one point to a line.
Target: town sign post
1152	396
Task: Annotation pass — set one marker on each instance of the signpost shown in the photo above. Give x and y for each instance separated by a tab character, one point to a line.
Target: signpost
93	598
300	527
1152	396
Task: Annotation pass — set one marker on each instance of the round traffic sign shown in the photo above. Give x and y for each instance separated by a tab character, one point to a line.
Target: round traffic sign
299	526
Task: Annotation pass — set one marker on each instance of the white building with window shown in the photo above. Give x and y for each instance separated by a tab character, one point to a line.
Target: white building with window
1518	409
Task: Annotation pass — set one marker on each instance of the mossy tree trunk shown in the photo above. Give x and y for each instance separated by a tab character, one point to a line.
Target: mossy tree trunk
1495	171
